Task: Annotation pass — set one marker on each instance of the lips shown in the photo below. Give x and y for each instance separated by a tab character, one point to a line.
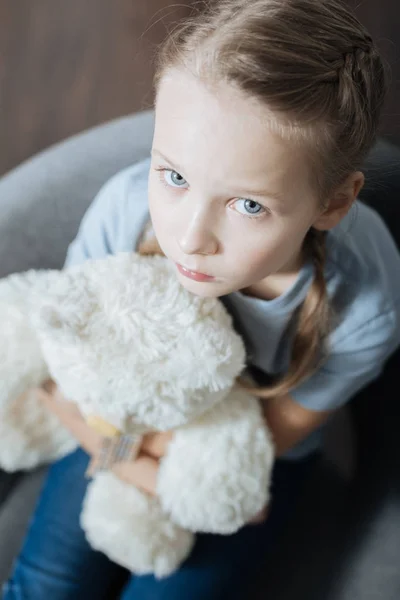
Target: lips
195	275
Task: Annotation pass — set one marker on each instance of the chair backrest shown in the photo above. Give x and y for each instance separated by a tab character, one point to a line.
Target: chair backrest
43	200
376	409
382	184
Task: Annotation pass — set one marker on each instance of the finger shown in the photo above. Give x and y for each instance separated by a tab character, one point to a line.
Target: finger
53	391
43	396
155	444
48	392
260	517
49	386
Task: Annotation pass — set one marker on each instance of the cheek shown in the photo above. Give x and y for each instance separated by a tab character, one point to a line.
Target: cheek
264	252
157	206
256	243
254	262
161	217
153	196
248	257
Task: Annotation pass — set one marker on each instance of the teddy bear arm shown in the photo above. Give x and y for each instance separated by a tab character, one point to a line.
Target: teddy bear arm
215	476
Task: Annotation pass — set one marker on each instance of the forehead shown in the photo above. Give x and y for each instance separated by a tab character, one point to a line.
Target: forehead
223	131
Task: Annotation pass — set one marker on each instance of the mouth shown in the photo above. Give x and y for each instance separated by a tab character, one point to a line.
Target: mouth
194	274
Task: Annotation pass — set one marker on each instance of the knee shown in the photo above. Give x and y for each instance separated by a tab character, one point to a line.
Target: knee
28	583
11	591
48	581
32	588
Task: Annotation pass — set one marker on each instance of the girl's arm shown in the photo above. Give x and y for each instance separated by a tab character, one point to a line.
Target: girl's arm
290	423
142	472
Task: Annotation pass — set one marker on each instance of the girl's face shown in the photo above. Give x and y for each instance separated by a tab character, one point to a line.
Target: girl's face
230	201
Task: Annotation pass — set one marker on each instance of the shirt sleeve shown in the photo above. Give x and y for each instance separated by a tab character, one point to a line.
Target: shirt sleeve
353	363
114	219
96	234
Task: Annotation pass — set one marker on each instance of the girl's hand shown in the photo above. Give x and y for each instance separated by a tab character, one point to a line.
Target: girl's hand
70	416
259	517
141	472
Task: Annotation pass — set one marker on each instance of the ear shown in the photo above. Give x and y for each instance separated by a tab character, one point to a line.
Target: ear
339	204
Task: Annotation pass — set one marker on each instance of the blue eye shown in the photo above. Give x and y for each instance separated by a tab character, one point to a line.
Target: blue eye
250	207
173	178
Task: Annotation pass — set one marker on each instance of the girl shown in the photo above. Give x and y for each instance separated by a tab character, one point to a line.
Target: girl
265	111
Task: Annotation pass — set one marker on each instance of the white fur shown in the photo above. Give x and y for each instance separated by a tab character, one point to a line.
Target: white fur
21	361
215	475
30	435
125	341
132	347
132	528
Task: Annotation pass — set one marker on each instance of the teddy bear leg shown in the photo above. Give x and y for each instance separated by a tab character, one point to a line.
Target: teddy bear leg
129	527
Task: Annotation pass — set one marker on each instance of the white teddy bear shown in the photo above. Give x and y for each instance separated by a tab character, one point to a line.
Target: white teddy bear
123	339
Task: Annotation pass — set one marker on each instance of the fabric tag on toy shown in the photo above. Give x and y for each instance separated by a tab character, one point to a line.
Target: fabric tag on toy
115	447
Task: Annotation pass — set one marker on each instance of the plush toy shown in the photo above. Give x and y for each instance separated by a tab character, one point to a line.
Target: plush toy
123	339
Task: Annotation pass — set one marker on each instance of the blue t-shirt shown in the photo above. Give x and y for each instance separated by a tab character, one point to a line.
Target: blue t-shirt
363	278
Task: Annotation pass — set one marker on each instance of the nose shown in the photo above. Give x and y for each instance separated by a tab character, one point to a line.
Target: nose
197	235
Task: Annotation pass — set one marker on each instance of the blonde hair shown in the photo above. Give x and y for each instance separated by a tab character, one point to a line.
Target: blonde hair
316	68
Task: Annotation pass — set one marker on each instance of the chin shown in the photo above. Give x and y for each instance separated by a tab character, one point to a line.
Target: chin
204	290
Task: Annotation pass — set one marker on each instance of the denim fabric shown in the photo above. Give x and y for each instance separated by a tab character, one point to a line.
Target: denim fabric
57	563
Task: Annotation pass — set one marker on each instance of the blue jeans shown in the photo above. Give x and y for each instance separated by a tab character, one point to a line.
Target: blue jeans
57	563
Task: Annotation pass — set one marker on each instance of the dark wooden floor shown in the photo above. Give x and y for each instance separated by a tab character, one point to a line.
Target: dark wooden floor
69	65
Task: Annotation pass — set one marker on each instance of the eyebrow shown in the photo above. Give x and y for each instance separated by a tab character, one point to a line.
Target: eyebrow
245	192
168	160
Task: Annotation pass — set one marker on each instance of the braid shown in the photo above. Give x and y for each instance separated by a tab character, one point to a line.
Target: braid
313	325
361	92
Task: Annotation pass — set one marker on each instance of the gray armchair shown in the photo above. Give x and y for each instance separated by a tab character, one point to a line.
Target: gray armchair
335	535
41	205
